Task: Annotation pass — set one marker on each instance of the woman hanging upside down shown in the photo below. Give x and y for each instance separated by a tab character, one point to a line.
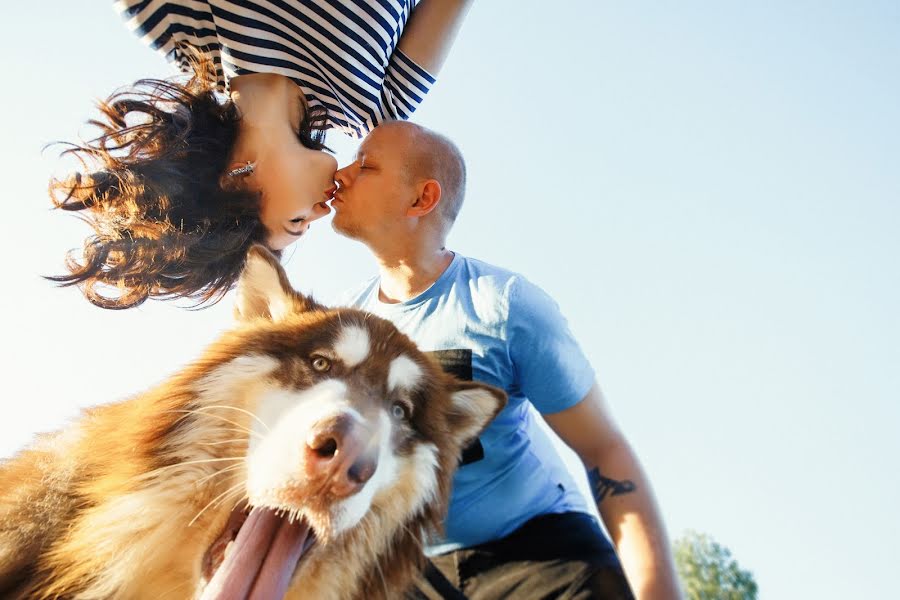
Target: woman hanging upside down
187	174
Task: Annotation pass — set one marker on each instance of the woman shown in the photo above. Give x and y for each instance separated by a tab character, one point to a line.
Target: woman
184	178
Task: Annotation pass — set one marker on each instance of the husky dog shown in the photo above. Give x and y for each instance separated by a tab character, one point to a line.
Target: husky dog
304	455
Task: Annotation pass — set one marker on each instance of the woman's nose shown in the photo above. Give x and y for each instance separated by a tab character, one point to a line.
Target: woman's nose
332	162
342	177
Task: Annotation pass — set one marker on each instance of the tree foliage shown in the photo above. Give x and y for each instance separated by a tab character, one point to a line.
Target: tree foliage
708	571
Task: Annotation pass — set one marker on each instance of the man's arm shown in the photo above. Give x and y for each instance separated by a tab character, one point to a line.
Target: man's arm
623	495
431	30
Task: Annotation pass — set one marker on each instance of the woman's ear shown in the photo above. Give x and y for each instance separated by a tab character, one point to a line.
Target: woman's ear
428	199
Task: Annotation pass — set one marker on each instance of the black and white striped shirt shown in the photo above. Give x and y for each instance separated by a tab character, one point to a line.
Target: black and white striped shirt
342	53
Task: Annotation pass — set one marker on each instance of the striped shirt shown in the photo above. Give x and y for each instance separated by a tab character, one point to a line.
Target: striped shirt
342	53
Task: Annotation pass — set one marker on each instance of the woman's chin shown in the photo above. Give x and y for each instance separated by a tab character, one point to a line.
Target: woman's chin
320	209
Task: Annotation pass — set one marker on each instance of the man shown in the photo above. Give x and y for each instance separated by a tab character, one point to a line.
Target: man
517	525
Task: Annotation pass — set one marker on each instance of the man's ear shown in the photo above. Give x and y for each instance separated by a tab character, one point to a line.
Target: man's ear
428	199
474	405
263	290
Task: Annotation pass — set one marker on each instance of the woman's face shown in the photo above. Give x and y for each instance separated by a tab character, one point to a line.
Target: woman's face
295	183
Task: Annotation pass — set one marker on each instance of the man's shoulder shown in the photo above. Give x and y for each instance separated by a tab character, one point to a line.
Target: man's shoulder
476	265
480	271
489	288
515	287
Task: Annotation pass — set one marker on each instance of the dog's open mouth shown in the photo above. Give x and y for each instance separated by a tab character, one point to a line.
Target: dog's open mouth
256	555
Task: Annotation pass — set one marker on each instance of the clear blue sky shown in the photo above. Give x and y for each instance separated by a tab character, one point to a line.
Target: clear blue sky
709	189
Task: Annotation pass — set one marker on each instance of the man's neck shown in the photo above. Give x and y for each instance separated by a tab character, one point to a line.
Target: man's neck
407	275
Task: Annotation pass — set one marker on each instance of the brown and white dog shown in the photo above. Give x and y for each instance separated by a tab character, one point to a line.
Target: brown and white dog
304	455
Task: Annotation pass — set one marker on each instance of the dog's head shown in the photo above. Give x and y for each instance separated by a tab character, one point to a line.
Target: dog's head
341	424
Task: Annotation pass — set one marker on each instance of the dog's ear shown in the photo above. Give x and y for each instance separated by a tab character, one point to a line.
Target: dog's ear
473	406
264	291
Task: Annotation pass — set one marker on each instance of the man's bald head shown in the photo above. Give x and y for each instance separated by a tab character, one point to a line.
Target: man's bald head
430	155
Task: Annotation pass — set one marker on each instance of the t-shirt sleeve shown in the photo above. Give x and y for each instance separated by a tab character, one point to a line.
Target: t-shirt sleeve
171	28
405	86
550	367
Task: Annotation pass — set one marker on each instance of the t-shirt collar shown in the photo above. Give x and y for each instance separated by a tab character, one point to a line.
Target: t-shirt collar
439	287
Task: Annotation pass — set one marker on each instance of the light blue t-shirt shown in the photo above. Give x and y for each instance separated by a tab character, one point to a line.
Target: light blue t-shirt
492	325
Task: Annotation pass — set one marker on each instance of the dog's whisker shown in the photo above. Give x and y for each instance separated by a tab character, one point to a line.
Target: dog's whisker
242	431
235	497
246	412
219	443
191	462
219	472
240	426
227	492
206	460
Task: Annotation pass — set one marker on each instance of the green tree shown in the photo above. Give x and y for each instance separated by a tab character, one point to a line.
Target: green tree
708	571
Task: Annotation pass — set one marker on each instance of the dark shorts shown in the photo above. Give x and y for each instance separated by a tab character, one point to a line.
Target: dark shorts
564	556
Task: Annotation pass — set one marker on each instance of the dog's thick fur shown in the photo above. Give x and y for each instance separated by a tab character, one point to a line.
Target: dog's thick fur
127	502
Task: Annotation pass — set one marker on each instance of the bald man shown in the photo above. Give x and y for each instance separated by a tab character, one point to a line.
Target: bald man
517	524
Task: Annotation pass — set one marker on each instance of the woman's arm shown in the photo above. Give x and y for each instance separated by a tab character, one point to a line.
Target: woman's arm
431	30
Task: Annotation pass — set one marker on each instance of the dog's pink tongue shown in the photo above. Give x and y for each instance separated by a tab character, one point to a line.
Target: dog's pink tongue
262	561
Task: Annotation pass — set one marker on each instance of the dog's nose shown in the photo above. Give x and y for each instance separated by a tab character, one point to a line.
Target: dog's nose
339	453
328	436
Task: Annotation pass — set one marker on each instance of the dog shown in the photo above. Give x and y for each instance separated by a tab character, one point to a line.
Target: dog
306	454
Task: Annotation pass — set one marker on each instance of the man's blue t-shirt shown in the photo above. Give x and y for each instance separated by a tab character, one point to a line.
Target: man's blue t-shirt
491	325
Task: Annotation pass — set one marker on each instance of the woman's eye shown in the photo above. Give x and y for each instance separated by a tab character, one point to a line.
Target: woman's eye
399	411
298	220
321	364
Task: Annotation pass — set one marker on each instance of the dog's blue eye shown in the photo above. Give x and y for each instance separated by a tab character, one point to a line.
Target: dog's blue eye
398	411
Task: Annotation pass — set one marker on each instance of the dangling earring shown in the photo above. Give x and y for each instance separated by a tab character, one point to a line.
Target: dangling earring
245	170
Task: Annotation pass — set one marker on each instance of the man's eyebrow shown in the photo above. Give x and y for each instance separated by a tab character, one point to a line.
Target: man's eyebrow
368	159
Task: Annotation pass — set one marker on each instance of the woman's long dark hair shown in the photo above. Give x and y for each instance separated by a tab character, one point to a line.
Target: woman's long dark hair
166	223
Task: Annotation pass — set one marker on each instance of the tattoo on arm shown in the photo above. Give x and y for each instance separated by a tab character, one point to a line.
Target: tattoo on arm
604	486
